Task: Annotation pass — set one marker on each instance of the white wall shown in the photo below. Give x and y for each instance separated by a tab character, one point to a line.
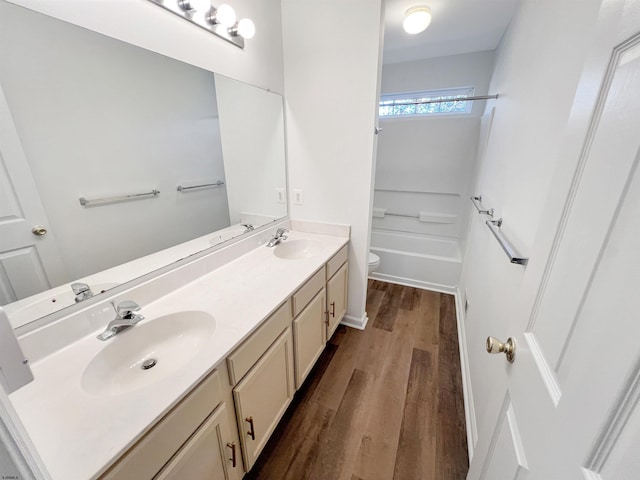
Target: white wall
98	117
425	164
144	24
538	66
331	64
252	128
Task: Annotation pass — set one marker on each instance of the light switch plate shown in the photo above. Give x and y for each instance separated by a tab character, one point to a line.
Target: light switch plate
298	197
281	196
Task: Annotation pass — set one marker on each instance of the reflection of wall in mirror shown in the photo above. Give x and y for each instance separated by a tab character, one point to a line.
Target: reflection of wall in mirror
252	127
98	117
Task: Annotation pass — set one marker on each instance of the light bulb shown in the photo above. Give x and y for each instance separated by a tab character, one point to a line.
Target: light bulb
416	20
225	15
246	28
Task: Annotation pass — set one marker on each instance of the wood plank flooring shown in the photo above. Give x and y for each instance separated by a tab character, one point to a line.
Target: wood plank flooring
384	403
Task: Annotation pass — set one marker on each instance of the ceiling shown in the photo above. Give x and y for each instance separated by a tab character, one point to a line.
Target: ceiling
458	26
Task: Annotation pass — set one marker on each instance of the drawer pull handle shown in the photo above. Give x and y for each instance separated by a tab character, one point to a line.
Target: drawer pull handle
251	432
333	309
232	446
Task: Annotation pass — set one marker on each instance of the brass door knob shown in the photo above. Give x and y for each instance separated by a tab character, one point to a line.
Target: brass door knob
39	231
508	348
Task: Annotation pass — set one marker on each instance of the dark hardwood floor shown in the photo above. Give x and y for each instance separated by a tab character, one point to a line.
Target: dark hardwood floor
384	403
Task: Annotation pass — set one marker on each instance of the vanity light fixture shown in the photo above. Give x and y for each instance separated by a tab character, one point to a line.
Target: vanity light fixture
220	21
245	28
224	15
416	19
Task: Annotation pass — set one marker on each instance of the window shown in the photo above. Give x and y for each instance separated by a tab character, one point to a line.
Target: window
417	103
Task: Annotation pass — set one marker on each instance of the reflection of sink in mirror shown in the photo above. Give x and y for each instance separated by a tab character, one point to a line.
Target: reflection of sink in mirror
48	304
227	234
172	341
296	249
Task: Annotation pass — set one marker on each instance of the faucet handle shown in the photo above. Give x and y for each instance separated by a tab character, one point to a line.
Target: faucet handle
79	288
281	231
125	309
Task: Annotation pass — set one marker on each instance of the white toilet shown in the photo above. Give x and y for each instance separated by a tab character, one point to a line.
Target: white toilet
374	262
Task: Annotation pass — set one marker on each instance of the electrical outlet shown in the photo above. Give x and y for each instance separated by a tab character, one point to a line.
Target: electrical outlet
281	196
298	197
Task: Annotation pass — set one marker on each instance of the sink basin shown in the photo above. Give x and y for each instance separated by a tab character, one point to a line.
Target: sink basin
295	249
172	341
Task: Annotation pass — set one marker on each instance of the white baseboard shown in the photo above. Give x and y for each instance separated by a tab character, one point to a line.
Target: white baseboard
469	406
408	282
355	322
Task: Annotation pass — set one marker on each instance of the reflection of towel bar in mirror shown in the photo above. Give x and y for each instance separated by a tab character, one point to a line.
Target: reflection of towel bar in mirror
85	202
214	184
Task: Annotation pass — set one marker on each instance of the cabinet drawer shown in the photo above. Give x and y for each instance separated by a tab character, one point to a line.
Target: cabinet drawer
247	354
145	459
337	260
309	290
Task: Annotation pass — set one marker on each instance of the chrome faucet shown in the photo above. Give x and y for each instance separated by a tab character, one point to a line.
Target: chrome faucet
278	237
125	319
247	227
82	291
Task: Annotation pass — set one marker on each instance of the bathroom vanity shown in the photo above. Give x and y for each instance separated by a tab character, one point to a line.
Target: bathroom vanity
228	348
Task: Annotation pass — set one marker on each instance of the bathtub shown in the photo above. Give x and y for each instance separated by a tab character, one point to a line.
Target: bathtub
417	260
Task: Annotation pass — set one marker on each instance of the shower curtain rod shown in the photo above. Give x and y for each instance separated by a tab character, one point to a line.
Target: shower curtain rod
461	99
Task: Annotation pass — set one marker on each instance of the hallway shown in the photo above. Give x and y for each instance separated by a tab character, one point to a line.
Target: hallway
381	403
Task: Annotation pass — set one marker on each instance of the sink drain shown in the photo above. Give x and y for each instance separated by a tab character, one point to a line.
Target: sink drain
150	363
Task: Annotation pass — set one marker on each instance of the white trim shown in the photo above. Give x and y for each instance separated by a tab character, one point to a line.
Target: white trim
469	405
355	322
408	282
17	443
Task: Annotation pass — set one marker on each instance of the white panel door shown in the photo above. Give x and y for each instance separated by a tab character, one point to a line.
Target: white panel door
572	404
29	263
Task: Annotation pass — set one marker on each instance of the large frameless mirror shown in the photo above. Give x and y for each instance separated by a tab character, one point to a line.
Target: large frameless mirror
117	161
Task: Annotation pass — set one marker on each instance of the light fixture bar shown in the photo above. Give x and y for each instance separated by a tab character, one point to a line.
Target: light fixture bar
200	20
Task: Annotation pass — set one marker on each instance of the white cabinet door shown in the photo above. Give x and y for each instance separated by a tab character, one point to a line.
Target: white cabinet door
263	395
29	262
209	454
337	298
571	408
309	336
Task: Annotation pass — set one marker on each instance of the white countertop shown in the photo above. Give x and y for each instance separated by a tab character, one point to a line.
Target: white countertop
44	303
79	435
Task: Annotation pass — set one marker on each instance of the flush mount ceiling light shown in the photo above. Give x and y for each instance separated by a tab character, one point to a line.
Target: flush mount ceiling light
220	21
416	19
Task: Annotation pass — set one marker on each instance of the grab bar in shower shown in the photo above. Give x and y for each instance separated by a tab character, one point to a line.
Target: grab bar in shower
219	183
510	250
477	202
402	215
119	198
